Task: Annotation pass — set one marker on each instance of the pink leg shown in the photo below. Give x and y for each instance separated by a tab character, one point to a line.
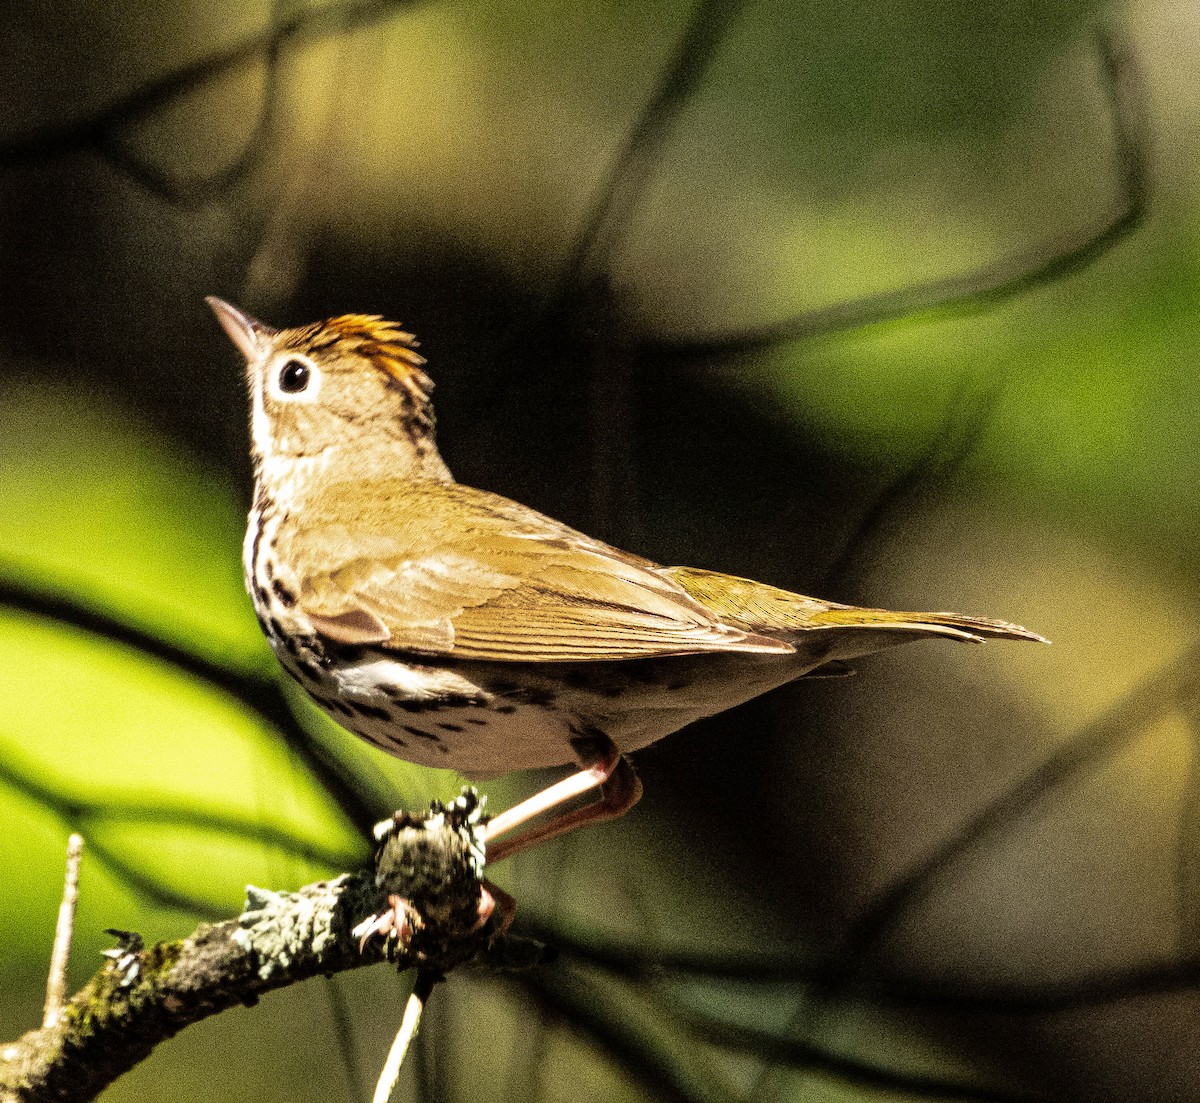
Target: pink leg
619	791
495	901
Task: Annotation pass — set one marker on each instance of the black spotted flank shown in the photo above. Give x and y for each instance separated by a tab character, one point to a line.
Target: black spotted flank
374	712
516	693
450	727
420	733
286	598
332	704
508	710
604	683
437	704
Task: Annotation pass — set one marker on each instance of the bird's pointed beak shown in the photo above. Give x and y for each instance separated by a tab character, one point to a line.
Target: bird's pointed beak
249	334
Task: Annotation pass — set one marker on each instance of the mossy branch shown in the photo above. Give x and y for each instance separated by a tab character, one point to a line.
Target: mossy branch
144	996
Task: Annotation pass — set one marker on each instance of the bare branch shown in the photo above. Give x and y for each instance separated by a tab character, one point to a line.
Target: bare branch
261	694
144	996
994	283
665	1068
782	966
90	816
663	1056
608	218
411	1019
99	131
962	428
1160	694
64	932
852	1072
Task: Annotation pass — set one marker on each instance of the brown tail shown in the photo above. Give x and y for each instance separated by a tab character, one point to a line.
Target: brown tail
955	626
764	609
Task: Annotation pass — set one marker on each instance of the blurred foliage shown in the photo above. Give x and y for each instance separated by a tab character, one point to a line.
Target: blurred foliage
967	874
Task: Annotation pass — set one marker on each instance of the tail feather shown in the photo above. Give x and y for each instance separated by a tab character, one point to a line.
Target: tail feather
770	611
957	626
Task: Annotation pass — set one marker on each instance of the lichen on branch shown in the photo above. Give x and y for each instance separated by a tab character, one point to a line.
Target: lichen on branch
140	997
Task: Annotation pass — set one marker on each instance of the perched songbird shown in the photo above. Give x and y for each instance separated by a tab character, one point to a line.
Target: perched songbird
456	628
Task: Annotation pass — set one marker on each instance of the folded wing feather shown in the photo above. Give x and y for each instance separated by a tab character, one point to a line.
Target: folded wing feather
468	575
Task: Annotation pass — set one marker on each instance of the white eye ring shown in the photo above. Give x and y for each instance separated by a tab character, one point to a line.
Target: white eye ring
293	377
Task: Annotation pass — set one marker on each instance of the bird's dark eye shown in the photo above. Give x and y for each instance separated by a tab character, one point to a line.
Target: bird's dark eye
294	377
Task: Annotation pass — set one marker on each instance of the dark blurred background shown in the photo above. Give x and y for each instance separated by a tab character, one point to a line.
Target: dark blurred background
892	303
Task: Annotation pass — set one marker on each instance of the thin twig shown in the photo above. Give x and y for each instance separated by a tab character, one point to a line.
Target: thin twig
261	694
93	814
1162	693
659	1062
852	1072
642	964
95	129
608	219
991	284
1159	694
422	988
64	931
963	427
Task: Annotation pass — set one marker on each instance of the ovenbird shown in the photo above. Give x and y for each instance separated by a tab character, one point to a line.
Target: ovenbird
456	628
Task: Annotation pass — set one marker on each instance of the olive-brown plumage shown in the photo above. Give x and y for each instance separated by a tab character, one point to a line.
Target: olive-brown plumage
453	627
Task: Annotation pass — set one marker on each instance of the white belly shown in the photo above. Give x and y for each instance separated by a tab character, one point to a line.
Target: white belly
477	718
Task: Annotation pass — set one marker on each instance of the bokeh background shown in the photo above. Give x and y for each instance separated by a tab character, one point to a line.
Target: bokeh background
895	303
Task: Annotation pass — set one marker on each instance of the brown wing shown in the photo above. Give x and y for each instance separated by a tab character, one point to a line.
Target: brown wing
444	569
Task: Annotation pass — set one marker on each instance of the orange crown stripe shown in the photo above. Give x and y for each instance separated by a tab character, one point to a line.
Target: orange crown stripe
378	338
387	346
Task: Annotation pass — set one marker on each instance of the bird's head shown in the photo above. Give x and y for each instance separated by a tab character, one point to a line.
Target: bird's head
351	385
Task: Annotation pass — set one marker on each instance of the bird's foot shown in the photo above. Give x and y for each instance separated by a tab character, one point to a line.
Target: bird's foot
399	921
493	900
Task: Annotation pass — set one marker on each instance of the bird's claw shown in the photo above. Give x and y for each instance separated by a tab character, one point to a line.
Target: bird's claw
487	905
400	921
